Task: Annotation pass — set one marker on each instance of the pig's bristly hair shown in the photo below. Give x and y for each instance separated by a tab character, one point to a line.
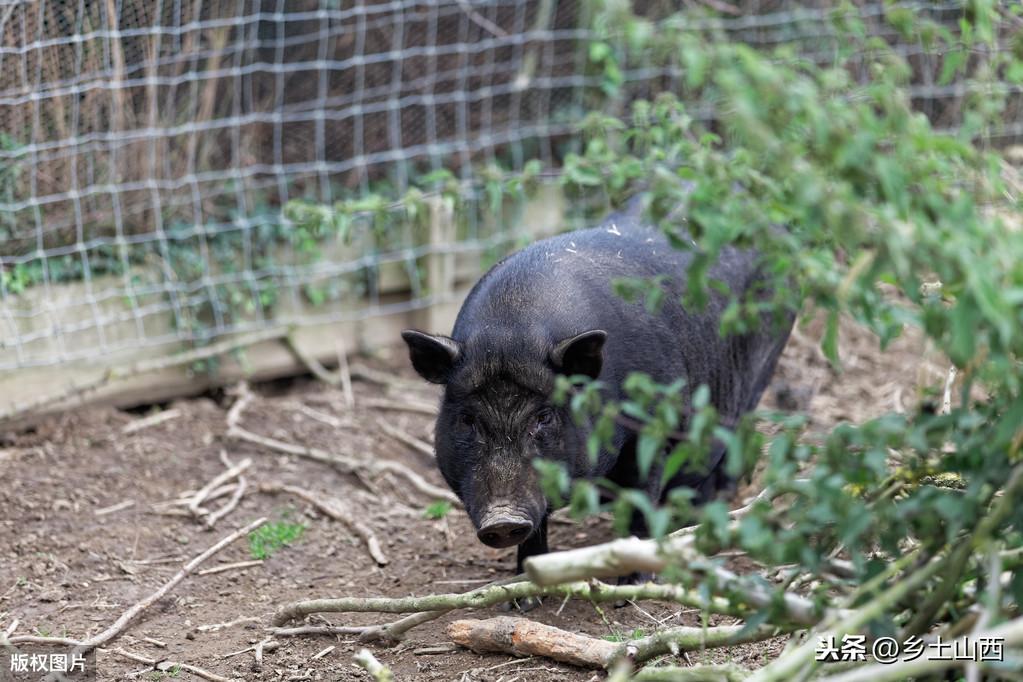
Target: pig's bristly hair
506	361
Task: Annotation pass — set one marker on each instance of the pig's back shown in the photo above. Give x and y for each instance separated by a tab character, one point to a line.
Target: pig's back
562	286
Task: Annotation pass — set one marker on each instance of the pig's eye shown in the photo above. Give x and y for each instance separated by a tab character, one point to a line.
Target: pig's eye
544	418
467	421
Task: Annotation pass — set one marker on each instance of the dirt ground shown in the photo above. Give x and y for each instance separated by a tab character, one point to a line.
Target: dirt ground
66	571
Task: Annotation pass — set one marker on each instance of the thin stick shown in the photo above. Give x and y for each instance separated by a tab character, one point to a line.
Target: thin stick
114	508
408	439
121	623
153	420
333	509
322	653
231	567
267	644
317	630
239	491
366	660
219	480
186	497
164	666
220	626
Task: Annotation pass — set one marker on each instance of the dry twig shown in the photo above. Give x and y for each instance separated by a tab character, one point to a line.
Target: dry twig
231	567
121	623
126	504
333	509
220	626
219	480
405	438
345	463
150	421
167	666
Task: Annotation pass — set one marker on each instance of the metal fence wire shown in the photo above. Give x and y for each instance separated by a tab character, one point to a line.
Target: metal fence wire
148	148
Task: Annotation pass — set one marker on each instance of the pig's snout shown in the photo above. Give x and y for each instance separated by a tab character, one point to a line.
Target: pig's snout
504	529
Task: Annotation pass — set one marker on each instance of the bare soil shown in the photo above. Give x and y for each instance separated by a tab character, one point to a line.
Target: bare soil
66	571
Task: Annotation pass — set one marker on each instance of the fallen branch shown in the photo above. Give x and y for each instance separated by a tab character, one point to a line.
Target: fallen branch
632	555
523	637
385	632
333	509
121	623
395	631
367	661
166	666
489	595
141	367
345	463
405	438
629	555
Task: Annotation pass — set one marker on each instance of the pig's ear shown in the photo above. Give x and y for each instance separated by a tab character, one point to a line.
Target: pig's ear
432	356
580	354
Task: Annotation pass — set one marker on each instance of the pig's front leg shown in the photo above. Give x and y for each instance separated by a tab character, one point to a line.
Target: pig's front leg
533	545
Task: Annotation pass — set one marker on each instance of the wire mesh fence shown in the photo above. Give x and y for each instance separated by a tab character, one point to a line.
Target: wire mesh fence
148	150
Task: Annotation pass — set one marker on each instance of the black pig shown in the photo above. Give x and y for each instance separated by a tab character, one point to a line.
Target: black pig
550	309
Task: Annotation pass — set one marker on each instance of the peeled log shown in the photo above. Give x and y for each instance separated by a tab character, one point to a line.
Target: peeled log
523	637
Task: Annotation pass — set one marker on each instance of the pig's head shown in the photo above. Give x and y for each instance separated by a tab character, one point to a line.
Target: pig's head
497	416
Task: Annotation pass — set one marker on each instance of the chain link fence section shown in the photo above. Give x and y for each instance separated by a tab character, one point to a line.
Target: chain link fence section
148	148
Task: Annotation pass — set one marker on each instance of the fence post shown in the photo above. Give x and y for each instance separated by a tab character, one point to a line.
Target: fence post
438	315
